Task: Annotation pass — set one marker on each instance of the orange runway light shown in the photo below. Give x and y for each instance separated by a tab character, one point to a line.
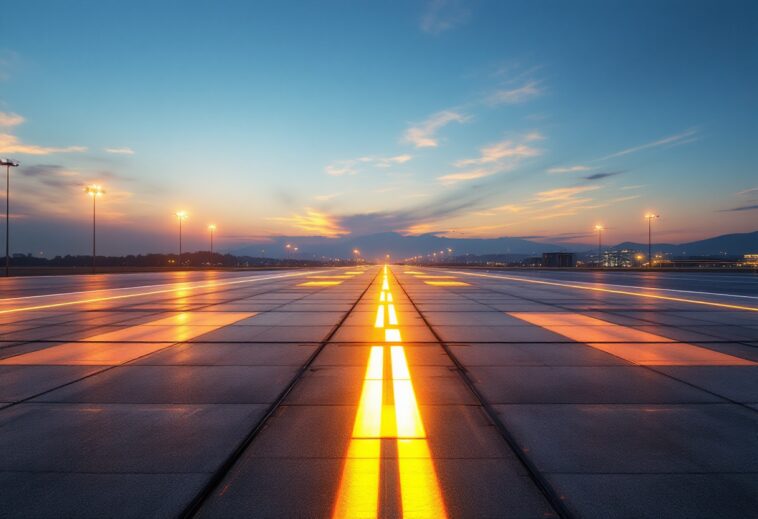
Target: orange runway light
447	283
320	283
121	346
635	346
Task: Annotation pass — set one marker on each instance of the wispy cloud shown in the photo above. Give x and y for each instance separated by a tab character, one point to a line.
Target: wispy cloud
748	192
386	162
563	193
749	199
11	144
120	151
9	119
629	188
442	15
326	198
312	221
569	169
624	199
501	151
495	158
473	174
740	208
515	95
340	168
423	135
679	138
420	218
600	176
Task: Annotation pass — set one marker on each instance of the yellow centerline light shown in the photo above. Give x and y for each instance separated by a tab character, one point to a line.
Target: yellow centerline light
392	335
379	321
397	418
391	314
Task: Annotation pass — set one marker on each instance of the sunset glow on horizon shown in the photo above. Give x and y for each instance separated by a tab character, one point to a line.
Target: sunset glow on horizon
473	121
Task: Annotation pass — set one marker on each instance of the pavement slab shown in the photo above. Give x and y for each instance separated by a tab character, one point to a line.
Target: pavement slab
239	394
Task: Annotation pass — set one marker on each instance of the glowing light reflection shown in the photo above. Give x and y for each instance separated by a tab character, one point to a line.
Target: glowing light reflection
393	415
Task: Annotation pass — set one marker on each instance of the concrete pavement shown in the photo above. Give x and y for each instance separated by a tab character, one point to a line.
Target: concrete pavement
373	392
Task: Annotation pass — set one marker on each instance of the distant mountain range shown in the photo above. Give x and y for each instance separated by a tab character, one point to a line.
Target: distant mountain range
726	244
375	246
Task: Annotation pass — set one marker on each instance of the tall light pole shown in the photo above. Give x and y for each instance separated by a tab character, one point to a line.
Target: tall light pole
180	215
650	217
357	253
211	228
599	229
8	163
94	191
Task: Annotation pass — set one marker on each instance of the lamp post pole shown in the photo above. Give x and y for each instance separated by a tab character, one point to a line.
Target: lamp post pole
212	228
180	215
94	191
599	229
8	163
650	217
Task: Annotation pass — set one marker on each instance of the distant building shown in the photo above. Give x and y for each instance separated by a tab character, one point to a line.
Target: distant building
559	259
625	258
750	260
531	262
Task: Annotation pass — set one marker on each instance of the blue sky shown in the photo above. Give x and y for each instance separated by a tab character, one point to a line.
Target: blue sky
528	118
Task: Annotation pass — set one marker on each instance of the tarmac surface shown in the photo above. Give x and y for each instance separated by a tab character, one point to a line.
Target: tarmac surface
379	392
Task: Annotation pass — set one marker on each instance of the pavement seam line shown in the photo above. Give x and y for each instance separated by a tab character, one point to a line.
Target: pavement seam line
544	487
227	465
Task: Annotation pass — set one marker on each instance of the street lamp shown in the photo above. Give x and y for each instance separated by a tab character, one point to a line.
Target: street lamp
357	254
180	215
211	228
599	229
94	191
8	163
650	217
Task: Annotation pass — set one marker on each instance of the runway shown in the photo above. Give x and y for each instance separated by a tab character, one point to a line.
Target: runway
378	391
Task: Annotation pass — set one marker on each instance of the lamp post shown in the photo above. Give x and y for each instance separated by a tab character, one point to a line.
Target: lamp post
180	215
599	229
211	228
8	163
650	217
357	254
94	191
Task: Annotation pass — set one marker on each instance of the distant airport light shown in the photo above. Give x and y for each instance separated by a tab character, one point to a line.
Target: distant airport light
8	163
94	190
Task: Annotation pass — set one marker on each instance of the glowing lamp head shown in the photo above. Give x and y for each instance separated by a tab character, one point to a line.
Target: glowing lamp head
650	216
598	227
212	227
94	190
182	215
